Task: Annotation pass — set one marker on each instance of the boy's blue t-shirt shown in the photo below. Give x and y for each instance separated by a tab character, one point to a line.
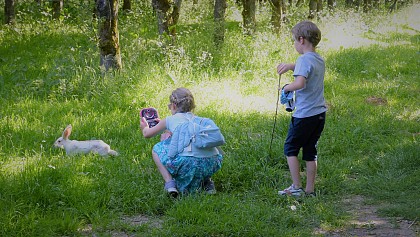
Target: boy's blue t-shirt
310	100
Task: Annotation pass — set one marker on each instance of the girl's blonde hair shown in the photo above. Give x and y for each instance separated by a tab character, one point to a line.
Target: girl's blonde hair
308	30
183	99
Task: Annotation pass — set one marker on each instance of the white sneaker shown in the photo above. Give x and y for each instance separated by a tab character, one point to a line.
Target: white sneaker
173	192
292	191
170	187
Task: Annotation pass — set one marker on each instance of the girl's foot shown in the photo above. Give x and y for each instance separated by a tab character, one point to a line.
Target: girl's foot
170	187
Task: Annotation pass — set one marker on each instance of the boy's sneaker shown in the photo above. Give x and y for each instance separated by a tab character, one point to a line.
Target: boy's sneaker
170	187
208	186
292	191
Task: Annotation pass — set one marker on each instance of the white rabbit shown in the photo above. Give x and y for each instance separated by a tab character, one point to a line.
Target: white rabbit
73	147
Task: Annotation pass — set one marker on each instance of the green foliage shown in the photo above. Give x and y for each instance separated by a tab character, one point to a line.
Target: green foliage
50	78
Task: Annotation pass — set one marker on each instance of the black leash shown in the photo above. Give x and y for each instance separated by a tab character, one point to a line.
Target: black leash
275	118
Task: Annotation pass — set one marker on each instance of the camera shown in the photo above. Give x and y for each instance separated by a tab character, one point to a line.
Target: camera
150	114
290	105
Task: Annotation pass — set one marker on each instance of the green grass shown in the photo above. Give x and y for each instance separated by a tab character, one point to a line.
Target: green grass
49	77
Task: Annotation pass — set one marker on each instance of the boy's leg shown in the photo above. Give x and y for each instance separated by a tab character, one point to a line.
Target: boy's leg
311	167
294	168
296	188
310	151
162	169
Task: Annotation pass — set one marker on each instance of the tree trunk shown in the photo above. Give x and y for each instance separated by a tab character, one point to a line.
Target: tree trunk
248	16
278	15
275	14
57	7
219	21
357	4
167	20
127	5
367	5
315	7
174	17
331	5
9	11
109	46
376	3
161	8
319	7
393	6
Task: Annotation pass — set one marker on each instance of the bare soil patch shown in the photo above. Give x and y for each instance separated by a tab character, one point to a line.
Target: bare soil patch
366	222
376	100
133	221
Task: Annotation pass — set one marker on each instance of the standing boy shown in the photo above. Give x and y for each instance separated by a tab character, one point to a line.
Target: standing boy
309	118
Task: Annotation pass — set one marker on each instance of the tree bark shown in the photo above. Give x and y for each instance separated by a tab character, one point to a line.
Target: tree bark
126	5
219	21
174	17
331	5
315	7
167	20
57	7
109	46
248	16
278	15
162	7
9	12
367	5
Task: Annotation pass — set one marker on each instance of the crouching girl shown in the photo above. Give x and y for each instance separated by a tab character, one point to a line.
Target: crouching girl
190	170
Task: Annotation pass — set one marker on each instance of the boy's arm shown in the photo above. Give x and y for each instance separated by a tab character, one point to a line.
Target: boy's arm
297	84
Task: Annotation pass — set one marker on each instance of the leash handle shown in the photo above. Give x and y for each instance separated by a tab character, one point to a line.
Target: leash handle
275	118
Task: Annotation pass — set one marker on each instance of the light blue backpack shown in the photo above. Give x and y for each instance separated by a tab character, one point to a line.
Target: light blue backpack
201	133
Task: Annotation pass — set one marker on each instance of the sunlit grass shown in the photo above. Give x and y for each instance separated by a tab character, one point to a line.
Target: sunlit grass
353	30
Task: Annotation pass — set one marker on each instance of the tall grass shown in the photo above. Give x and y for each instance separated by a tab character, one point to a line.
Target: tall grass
50	78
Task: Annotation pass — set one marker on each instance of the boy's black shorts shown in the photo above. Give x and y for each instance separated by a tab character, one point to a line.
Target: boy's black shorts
304	133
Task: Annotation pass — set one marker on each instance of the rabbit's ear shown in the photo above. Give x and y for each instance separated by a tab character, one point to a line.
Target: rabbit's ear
67	132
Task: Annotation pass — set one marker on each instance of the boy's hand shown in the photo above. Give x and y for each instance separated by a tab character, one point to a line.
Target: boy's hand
284	67
284	97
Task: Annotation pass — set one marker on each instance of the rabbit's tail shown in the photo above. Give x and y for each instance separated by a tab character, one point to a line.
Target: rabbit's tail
113	153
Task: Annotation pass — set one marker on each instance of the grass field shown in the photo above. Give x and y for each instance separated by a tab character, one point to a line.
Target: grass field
49	77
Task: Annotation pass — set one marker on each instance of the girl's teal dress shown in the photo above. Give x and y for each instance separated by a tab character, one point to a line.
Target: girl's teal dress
188	171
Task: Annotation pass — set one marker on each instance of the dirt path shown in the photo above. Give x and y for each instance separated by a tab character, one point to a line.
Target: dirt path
366	222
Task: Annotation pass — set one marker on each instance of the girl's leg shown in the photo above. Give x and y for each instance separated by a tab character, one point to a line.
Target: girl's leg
162	169
294	168
170	184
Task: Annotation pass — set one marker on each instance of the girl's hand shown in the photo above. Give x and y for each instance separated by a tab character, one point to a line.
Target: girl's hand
284	67
143	123
167	134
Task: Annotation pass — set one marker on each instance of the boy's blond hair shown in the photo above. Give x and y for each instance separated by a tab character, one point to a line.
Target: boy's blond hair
307	30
